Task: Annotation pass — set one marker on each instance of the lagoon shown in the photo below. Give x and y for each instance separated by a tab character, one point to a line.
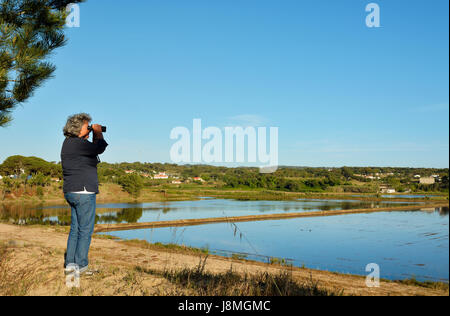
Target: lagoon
412	244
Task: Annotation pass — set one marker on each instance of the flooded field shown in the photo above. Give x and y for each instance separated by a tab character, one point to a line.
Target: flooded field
404	244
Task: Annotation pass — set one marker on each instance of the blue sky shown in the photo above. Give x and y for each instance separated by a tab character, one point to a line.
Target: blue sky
341	93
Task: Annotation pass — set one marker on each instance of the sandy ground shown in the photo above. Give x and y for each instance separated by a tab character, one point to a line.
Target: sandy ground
42	248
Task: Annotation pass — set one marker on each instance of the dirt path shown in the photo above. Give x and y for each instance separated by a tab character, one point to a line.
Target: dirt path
41	249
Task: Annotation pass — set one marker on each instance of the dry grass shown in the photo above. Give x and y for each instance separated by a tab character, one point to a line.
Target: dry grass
15	280
231	283
426	284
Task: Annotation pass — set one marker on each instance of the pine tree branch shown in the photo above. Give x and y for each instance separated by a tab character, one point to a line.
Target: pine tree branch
30	31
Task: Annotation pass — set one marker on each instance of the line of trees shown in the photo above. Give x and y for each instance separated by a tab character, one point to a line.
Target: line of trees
17	165
272	182
38	172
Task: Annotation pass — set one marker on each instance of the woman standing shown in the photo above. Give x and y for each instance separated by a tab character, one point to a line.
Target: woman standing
79	159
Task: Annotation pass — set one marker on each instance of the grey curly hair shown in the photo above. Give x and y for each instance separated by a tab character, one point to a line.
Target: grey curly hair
75	123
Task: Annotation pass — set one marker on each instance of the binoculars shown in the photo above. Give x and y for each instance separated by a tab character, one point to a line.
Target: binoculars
103	129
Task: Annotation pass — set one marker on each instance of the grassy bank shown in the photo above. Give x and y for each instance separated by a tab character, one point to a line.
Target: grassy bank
32	258
20	280
231	283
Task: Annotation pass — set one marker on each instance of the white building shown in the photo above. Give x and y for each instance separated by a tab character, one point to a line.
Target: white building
160	176
386	189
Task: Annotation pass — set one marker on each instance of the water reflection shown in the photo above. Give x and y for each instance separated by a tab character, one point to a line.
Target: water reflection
126	215
25	215
443	211
147	212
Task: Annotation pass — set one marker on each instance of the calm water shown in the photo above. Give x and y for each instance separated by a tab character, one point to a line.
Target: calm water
402	196
205	208
403	244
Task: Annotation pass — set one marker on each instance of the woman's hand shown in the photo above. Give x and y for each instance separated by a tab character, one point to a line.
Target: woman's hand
97	129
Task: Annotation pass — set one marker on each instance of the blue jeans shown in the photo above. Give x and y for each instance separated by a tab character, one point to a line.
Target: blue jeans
81	229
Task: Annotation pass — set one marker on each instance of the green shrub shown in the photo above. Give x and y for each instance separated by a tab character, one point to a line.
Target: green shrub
39	180
132	184
40	192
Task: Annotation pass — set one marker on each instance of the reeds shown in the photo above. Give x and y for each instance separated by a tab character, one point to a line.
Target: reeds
426	284
231	283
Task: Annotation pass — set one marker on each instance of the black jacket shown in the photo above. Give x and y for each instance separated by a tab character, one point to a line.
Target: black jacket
79	163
